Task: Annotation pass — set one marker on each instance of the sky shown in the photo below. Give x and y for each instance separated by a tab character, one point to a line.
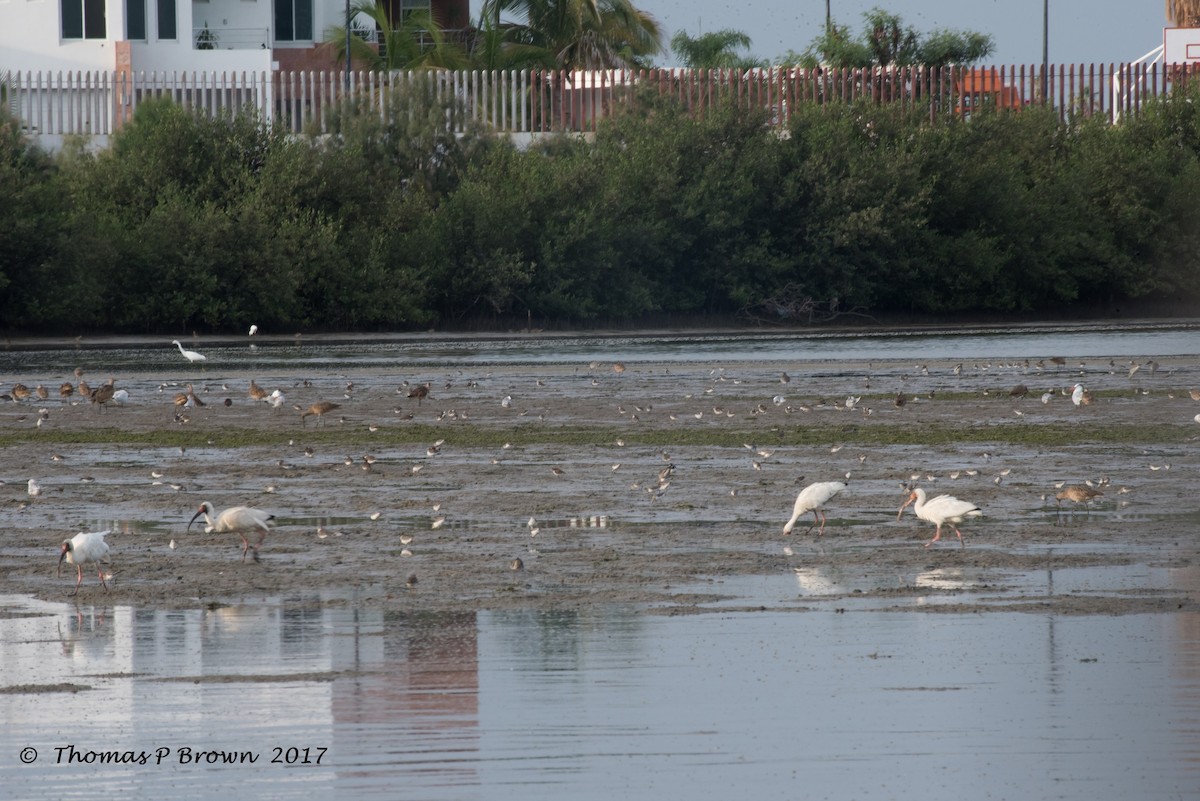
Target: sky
1081	31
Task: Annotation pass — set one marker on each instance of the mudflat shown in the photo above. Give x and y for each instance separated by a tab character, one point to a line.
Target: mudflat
567	485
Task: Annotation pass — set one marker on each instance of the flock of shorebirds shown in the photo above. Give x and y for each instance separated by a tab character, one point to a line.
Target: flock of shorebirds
942	510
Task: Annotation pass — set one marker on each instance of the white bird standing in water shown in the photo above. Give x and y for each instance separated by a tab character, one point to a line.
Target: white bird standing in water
939	511
34	488
84	547
1077	394
253	330
811	499
190	355
236	519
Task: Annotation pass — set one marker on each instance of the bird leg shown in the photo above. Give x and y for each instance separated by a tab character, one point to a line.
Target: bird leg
821	532
100	573
78	579
246	546
961	541
937	536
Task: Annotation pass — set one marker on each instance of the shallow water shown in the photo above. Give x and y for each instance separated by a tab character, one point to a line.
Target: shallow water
602	704
886	699
1140	340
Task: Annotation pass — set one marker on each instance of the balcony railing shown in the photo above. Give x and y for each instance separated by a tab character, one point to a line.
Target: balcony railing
534	102
207	38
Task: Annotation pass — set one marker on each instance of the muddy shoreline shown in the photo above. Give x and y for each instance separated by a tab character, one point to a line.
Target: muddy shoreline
578	495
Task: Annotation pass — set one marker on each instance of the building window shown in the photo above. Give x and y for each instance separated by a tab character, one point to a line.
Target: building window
293	20
166	20
83	19
135	20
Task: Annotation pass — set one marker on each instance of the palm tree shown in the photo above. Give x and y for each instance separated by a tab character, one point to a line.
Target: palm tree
416	41
1184	13
576	34
716	50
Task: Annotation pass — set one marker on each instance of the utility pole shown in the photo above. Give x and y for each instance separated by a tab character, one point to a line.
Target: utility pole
1045	49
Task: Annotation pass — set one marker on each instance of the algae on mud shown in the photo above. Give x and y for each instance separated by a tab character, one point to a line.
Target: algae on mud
580	451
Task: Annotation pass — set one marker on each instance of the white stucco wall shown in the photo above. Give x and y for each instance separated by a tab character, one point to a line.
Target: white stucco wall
31	36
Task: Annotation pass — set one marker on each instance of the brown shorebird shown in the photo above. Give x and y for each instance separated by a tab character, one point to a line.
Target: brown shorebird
1077	493
319	410
103	393
257	392
41	392
1019	391
420	392
66	390
20	392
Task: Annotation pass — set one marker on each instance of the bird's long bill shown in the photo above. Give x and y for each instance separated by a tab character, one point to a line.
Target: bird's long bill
193	520
900	514
61	557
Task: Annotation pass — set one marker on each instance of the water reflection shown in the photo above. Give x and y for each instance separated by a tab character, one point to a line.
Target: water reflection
604	703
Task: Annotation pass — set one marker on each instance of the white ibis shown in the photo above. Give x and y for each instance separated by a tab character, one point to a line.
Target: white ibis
811	499
940	510
1080	396
190	355
236	519
84	547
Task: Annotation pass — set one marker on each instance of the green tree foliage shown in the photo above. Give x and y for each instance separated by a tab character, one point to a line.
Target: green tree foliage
887	41
415	41
391	221
714	50
575	34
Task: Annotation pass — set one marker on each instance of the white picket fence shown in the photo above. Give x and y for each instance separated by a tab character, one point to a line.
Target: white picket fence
97	103
532	102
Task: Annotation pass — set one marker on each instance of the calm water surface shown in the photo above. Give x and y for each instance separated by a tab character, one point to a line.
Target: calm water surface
1139	340
609	704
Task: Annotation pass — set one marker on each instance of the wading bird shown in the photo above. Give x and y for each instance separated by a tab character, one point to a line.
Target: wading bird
1077	493
190	355
811	499
236	520
420	392
1080	396
319	410
940	510
85	547
103	393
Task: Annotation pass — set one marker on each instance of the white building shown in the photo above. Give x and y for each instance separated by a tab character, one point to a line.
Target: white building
182	35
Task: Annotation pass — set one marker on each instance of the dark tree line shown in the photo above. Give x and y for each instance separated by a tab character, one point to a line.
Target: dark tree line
187	223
